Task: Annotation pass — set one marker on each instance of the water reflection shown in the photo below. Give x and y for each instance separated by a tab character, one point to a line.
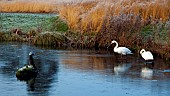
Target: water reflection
31	84
150	64
122	68
47	69
147	70
15	56
40	84
88	60
92	73
147	73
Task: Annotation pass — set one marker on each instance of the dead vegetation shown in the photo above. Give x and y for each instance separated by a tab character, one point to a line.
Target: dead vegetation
133	23
89	16
27	7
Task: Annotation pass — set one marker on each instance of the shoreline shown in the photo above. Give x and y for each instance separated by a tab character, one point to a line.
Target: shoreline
142	38
65	42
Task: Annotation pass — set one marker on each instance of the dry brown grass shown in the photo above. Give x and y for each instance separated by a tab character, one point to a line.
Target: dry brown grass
89	16
28	7
82	16
71	13
121	20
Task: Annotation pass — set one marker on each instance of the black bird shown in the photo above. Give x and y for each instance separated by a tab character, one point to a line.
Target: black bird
29	71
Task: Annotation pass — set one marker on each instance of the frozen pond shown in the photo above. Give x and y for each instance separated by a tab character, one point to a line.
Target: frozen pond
71	72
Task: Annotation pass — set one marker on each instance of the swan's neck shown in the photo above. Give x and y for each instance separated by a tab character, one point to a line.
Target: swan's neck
31	62
116	46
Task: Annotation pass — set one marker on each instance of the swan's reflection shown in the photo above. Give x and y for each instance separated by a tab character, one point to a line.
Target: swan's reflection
147	73
150	64
121	68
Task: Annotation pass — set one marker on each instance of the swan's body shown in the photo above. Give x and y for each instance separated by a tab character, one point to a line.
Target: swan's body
146	55
28	71
121	50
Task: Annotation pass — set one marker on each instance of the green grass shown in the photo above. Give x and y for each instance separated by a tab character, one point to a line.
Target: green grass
55	24
27	22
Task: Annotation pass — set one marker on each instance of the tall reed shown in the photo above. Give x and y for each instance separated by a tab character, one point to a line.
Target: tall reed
133	23
89	16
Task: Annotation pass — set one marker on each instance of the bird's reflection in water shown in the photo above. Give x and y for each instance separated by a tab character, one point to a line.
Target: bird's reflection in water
147	70
122	68
29	81
45	76
150	64
147	73
30	84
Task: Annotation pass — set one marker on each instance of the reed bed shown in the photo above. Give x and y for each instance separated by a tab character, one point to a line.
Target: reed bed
27	7
133	23
89	16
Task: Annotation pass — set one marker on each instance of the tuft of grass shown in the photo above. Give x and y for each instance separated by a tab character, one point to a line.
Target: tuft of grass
50	39
2	36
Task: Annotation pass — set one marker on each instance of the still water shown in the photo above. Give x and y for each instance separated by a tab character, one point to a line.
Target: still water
80	73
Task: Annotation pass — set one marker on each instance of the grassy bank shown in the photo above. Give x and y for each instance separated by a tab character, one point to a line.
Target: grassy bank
10	21
39	29
27	22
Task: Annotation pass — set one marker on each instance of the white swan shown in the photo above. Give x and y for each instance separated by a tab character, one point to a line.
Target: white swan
121	50
147	55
